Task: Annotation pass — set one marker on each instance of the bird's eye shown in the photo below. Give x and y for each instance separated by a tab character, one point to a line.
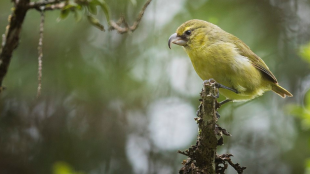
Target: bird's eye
188	32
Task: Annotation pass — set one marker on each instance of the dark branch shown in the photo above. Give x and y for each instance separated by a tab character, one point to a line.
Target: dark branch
12	36
222	159
117	25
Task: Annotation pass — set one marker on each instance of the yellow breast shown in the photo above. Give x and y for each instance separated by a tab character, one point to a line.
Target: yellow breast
222	62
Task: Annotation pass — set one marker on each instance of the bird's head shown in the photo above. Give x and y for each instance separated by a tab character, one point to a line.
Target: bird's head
189	32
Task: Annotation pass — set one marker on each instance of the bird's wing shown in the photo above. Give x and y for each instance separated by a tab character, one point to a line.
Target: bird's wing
256	61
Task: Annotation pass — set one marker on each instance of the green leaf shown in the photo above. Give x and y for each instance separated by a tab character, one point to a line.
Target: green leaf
105	9
64	13
77	16
307	100
92	6
95	22
304	52
61	167
68	7
78	7
296	110
307	166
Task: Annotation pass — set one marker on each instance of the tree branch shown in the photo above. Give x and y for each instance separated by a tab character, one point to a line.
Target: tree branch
117	25
12	36
202	156
43	3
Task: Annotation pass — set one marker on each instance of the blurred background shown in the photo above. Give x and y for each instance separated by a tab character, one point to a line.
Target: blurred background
117	104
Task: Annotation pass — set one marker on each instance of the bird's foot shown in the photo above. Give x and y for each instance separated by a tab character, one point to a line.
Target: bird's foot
217	115
212	81
223	102
218	85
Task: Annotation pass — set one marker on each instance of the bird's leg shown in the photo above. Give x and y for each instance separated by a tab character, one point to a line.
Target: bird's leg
218	85
223	102
217	95
217	115
219	105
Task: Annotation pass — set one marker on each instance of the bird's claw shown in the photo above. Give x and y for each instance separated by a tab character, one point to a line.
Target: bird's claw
219	104
217	115
217	95
209	81
218	85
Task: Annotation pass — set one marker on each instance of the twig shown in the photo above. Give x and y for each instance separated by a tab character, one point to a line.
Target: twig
137	22
43	3
221	159
117	26
40	53
53	7
183	153
12	36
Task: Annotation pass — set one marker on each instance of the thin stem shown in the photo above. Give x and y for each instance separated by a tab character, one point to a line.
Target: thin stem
117	26
40	53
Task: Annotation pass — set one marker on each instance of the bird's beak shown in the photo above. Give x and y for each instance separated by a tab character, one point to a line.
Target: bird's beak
174	38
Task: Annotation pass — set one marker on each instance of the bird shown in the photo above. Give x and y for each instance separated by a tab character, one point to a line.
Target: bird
219	55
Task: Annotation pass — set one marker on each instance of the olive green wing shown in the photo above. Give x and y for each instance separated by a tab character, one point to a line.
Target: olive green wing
256	61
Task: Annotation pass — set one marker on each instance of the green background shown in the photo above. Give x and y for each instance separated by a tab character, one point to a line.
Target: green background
125	103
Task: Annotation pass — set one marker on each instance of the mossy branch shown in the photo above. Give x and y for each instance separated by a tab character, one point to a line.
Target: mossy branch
202	156
11	38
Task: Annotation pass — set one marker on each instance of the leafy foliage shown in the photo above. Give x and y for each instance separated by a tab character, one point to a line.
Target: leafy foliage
64	168
89	9
303	112
304	52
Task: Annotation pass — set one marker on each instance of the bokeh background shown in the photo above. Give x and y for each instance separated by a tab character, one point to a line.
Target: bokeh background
117	104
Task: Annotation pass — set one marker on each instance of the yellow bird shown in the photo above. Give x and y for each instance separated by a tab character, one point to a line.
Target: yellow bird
223	57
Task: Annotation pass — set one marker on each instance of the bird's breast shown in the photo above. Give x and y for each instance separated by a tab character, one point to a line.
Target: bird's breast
223	63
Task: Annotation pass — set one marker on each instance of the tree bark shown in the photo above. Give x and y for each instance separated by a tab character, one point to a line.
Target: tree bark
202	155
11	38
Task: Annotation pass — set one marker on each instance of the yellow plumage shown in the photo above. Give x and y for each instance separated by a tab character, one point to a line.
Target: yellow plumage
217	54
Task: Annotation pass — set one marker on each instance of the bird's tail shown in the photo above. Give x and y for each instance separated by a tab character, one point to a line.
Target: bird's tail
281	91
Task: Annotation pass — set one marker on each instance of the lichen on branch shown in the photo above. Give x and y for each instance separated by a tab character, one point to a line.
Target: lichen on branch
202	156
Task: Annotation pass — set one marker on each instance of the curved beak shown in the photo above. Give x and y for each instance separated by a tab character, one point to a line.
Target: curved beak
174	38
